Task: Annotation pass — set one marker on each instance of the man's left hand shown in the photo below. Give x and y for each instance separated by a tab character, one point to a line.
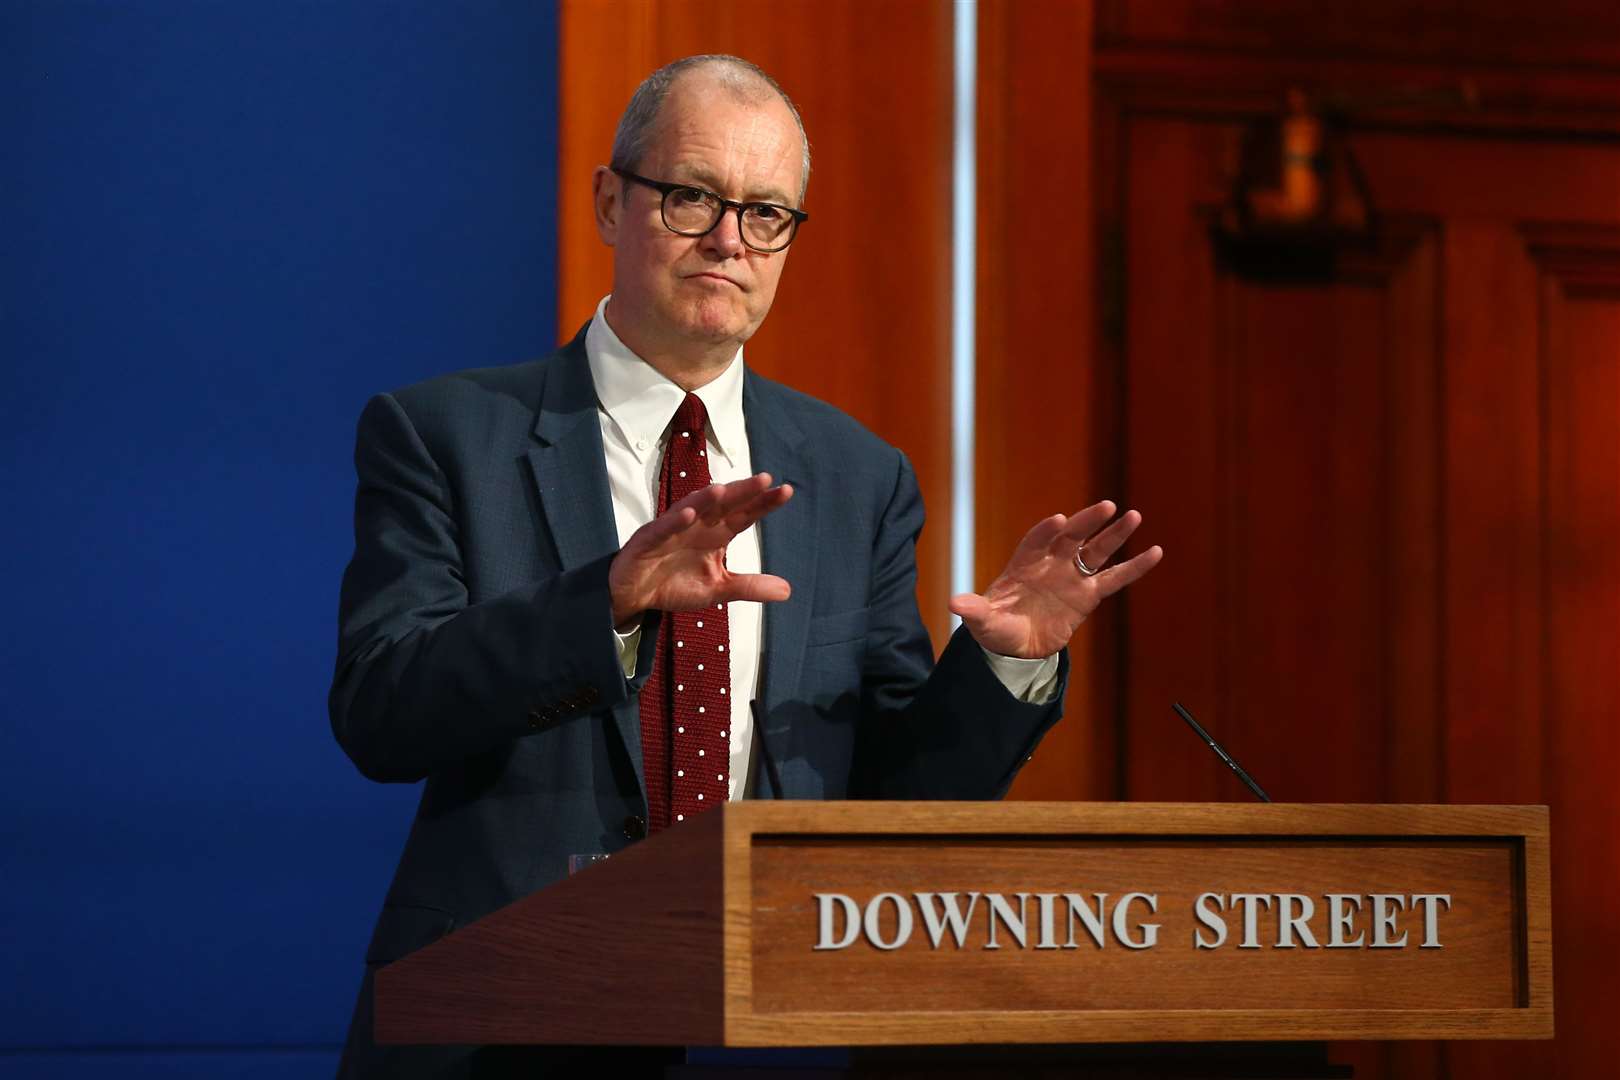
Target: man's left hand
1042	597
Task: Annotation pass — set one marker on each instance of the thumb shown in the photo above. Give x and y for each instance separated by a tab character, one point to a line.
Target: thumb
763	588
970	607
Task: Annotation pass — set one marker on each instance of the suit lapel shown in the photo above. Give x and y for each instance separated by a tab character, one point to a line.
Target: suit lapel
569	470
787	541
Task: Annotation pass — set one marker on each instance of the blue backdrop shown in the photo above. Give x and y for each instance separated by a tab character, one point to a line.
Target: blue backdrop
225	225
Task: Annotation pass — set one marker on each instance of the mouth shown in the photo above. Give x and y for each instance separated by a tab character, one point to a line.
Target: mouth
709	276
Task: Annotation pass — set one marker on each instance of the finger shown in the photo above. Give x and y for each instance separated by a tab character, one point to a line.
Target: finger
716	500
1115	578
661	529
1085	522
741	492
1100	548
764	588
765	502
702	501
1041	535
745	499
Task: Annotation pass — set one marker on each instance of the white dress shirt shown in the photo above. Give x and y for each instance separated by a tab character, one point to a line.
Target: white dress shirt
635	405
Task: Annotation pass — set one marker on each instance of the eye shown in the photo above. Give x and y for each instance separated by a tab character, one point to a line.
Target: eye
764	211
691	196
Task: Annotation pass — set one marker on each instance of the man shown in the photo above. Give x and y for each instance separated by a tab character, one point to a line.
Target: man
572	577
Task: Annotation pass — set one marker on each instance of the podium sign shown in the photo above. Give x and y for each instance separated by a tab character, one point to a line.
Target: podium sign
797	924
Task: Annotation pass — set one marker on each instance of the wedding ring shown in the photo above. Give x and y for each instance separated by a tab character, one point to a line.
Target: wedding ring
1080	563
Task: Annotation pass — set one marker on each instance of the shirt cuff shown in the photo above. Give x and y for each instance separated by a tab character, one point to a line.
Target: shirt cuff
628	645
1033	682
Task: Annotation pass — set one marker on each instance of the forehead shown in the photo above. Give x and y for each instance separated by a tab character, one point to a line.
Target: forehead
744	147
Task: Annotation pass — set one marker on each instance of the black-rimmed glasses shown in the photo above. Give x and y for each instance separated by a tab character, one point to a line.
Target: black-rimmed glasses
695	211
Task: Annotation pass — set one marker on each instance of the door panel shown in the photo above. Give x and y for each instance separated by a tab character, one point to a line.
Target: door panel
1389	501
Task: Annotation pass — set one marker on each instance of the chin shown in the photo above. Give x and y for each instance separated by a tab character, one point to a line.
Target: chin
715	322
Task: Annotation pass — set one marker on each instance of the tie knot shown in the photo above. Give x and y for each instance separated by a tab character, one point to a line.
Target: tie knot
691	417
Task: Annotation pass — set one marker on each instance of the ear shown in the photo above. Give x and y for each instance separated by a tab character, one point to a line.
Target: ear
607	193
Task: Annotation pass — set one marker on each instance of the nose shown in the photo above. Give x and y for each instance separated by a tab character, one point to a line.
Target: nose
725	239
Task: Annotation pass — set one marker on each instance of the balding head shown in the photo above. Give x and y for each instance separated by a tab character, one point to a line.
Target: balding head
739	79
699	129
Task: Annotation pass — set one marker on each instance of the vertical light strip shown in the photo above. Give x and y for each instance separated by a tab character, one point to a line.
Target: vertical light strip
963	260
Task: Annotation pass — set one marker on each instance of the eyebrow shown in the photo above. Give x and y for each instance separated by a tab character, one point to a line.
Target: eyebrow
697	174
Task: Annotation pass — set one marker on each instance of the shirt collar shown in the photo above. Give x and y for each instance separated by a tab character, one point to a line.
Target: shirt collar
641	402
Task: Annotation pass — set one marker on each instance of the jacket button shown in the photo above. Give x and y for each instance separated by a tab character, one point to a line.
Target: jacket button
635	827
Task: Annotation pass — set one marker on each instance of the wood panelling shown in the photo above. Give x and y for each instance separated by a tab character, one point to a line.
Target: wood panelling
862	319
1410	637
1496	32
1420	64
1580	362
1491	567
1044	447
1263	434
1382	496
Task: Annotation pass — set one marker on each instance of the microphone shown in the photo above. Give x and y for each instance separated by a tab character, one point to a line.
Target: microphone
757	711
1220	753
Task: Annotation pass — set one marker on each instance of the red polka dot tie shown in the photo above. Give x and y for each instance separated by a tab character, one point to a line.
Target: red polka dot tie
685	703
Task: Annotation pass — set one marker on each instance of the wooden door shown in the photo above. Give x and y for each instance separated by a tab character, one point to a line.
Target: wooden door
1389	501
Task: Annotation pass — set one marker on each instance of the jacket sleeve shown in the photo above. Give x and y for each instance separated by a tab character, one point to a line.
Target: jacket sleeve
425	679
945	730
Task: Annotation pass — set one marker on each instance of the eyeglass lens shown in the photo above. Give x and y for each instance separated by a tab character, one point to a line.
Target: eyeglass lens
693	212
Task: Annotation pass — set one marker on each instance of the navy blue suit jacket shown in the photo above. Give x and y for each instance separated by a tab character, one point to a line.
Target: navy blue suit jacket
476	648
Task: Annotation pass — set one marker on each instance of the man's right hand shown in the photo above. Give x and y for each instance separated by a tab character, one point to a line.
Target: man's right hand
677	561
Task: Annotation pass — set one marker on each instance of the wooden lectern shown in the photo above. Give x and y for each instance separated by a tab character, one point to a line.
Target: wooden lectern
886	924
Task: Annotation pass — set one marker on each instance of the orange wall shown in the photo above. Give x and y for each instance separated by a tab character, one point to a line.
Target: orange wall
1043	445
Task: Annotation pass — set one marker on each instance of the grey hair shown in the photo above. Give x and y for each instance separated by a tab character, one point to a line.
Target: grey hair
743	79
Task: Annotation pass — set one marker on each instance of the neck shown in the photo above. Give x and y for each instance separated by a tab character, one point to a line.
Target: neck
687	364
